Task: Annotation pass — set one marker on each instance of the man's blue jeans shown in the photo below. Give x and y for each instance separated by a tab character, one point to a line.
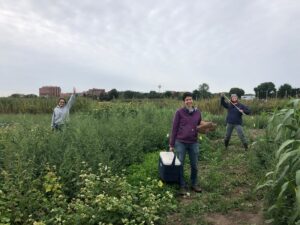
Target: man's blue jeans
193	151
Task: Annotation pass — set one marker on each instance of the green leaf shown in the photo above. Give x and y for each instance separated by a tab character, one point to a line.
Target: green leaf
298	177
297	134
268	183
291	127
279	127
295	102
48	188
269	221
288	114
295	165
279	136
270	209
284	187
285	157
269	173
297	191
283	174
283	146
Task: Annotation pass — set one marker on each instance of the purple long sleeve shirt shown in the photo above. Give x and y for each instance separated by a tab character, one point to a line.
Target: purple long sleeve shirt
185	126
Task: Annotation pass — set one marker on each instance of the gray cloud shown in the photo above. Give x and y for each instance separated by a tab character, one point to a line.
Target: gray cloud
140	44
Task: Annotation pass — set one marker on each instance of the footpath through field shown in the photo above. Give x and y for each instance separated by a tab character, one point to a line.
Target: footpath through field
228	185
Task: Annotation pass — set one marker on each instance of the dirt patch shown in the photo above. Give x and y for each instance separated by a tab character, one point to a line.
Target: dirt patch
238	191
235	218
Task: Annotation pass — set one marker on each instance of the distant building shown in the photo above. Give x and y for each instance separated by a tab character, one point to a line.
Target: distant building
248	97
65	95
94	92
50	91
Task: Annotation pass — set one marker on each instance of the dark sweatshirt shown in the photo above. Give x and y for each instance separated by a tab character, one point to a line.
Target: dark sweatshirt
185	126
234	116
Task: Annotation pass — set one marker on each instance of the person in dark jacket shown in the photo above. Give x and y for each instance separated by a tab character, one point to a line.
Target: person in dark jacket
184	139
235	111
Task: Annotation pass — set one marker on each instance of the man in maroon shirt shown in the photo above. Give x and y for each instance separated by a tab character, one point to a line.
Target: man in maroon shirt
184	139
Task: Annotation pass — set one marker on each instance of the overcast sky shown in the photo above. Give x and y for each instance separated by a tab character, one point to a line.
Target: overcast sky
140	44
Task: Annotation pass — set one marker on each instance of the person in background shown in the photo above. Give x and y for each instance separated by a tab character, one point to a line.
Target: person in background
235	111
61	112
184	139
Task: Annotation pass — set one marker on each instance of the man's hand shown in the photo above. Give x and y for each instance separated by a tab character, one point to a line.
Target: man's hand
171	149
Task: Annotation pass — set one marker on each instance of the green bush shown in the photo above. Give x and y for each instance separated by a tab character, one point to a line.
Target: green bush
145	170
103	198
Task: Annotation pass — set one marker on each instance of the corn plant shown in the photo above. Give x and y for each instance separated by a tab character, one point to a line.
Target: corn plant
283	182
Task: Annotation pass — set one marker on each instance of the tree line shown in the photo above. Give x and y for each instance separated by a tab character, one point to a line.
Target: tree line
262	91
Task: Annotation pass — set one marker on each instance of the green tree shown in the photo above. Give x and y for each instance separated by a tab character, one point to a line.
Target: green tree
196	94
285	90
204	91
295	92
265	90
30	96
128	94
113	94
238	91
154	94
17	95
167	94
105	97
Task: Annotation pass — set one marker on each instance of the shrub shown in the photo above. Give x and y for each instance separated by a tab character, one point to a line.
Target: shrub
108	199
103	198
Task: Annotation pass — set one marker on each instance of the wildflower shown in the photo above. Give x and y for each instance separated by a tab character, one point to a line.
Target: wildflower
160	183
38	223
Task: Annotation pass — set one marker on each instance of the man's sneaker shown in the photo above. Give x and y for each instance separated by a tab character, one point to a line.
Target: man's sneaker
182	191
197	189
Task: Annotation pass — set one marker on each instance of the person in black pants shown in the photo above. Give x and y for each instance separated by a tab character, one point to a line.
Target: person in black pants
235	111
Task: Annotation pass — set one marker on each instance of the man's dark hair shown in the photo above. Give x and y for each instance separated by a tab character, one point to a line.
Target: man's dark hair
186	94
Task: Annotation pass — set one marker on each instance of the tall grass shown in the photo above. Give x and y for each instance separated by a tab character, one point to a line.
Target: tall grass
40	105
46	105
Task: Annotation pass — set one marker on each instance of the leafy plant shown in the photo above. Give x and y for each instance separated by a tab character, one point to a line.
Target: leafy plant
283	182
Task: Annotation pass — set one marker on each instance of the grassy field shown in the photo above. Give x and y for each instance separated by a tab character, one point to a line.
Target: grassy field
103	167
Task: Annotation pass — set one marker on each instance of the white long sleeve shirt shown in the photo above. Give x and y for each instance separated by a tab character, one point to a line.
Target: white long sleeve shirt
61	114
